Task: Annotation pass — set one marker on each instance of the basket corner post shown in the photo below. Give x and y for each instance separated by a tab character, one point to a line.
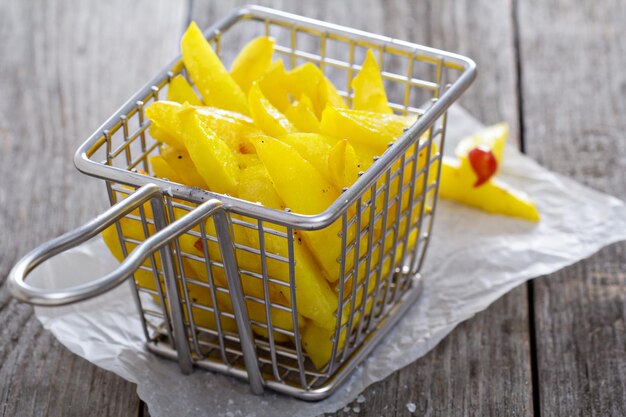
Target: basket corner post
181	340
224	233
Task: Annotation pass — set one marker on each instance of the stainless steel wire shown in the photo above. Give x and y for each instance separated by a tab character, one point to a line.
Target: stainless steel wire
207	296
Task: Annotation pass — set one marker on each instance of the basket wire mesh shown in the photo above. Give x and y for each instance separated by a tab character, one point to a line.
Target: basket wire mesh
383	221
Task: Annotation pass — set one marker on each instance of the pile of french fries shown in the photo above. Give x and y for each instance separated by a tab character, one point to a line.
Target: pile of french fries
284	139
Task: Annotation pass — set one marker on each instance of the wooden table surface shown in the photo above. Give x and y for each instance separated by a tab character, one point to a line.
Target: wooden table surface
554	70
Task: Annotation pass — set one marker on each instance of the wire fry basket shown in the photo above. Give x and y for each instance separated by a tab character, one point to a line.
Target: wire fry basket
206	295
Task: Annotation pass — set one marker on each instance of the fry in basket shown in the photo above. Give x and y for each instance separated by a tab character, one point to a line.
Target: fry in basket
299	149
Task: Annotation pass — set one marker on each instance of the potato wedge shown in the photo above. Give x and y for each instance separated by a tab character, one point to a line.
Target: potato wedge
296	180
343	164
363	127
165	126
162	136
302	115
266	116
307	79
252	62
255	185
369	90
214	160
494	196
315	299
215	84
305	191
273	84
180	162
161	169
231	127
312	147
181	92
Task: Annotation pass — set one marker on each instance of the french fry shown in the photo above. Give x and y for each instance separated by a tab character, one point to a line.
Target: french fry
369	90
363	127
343	164
307	79
304	190
181	92
217	87
312	147
162	136
252	62
266	116
273	84
315	299
161	169
214	160
302	116
180	162
231	127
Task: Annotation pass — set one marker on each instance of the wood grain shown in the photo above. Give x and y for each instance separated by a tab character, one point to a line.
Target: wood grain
573	86
72	62
65	67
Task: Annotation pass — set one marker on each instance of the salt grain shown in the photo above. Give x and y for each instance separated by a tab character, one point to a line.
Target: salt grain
360	399
357	409
230	401
411	407
346	409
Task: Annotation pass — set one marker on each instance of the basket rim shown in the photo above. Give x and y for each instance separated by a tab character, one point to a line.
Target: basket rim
339	207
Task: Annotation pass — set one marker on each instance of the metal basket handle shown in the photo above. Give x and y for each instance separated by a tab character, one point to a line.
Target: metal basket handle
158	241
57	297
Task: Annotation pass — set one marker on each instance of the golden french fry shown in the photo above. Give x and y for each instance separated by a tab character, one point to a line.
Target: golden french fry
312	147
181	92
266	116
316	300
493	196
180	162
252	62
215	84
305	191
307	79
231	127
214	160
343	164
363	127
161	135
161	169
302	115
273	84
369	90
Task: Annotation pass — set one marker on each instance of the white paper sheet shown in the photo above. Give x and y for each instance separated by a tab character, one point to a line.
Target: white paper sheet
474	259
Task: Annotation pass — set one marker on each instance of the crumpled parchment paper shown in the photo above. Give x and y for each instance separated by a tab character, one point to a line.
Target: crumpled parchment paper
474	258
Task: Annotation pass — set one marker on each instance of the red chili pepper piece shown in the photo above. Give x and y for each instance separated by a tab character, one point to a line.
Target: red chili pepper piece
484	164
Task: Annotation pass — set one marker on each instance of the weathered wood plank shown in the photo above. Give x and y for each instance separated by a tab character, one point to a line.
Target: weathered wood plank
65	67
464	353
572	60
483	367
